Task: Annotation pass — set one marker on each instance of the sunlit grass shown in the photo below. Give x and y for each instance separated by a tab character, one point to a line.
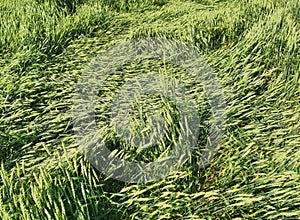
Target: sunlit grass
253	47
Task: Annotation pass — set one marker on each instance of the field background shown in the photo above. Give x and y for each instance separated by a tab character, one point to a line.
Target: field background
253	47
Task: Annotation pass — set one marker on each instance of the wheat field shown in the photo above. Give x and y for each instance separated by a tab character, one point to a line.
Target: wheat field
253	47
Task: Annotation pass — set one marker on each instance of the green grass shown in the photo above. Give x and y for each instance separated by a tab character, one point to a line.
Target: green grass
253	47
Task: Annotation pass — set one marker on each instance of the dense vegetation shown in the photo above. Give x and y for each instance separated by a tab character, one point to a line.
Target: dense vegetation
253	47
